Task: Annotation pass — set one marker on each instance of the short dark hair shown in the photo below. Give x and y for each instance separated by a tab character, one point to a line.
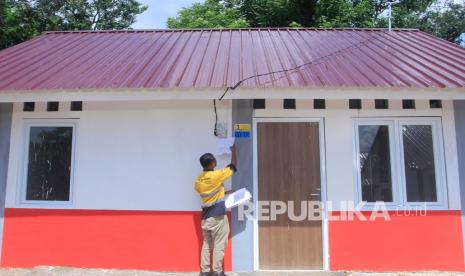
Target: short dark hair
206	160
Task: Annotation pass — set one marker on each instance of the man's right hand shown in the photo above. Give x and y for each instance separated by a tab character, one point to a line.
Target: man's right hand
233	155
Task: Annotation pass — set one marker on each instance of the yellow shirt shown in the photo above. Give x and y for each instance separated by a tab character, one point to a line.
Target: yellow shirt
210	184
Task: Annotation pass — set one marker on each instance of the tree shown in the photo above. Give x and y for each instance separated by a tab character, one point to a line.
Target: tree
210	14
17	22
23	19
3	11
335	13
448	23
278	13
370	13
445	23
407	14
306	13
245	13
86	14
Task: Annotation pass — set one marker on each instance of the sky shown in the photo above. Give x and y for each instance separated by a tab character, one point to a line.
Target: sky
158	12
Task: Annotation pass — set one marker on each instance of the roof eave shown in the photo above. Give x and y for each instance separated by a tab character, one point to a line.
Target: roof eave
240	93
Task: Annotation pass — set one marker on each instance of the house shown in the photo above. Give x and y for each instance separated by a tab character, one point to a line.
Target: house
101	131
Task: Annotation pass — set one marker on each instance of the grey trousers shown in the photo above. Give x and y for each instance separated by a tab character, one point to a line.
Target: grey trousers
215	238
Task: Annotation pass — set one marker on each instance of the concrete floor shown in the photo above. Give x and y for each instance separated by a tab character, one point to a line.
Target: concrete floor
64	271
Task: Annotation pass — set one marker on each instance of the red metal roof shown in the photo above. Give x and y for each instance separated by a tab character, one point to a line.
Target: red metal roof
222	57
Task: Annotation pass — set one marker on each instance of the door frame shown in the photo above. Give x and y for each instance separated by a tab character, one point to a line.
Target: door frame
324	222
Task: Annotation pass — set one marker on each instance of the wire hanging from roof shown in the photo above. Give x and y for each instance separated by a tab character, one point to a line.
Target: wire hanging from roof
287	71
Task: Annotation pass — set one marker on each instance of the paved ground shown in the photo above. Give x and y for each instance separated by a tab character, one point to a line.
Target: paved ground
64	271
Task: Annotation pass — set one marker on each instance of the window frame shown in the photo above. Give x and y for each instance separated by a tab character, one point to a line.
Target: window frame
25	160
393	153
439	160
399	185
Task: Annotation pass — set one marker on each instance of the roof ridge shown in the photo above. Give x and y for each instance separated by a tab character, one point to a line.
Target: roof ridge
226	29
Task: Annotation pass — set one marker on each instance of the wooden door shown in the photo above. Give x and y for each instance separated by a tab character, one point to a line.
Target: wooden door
289	170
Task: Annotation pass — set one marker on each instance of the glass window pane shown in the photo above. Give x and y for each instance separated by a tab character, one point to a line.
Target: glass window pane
49	163
375	163
420	176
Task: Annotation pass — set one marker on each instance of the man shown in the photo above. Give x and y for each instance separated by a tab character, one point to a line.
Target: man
215	226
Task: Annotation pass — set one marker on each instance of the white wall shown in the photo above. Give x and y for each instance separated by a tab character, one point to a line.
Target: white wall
129	155
144	155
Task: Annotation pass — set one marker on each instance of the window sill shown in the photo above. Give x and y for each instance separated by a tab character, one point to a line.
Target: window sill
405	207
45	204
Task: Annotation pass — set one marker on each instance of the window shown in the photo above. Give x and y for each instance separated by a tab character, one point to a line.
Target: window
400	161
420	176
375	163
48	164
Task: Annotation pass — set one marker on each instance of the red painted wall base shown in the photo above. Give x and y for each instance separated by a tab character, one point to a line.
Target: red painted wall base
170	241
152	240
407	242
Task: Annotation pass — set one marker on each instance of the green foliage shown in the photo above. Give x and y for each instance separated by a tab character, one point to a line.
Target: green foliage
114	14
445	23
245	13
334	13
210	14
86	14
448	23
295	25
23	19
363	14
278	13
17	22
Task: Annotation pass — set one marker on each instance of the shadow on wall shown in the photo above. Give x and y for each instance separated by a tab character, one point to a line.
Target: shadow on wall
243	114
6	110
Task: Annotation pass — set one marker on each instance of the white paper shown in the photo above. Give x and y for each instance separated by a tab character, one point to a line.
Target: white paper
224	145
237	198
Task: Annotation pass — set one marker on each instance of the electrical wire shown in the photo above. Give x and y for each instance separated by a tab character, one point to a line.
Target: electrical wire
215	128
285	71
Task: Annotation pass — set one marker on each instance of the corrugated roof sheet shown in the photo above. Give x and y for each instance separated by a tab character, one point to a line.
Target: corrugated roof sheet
223	57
